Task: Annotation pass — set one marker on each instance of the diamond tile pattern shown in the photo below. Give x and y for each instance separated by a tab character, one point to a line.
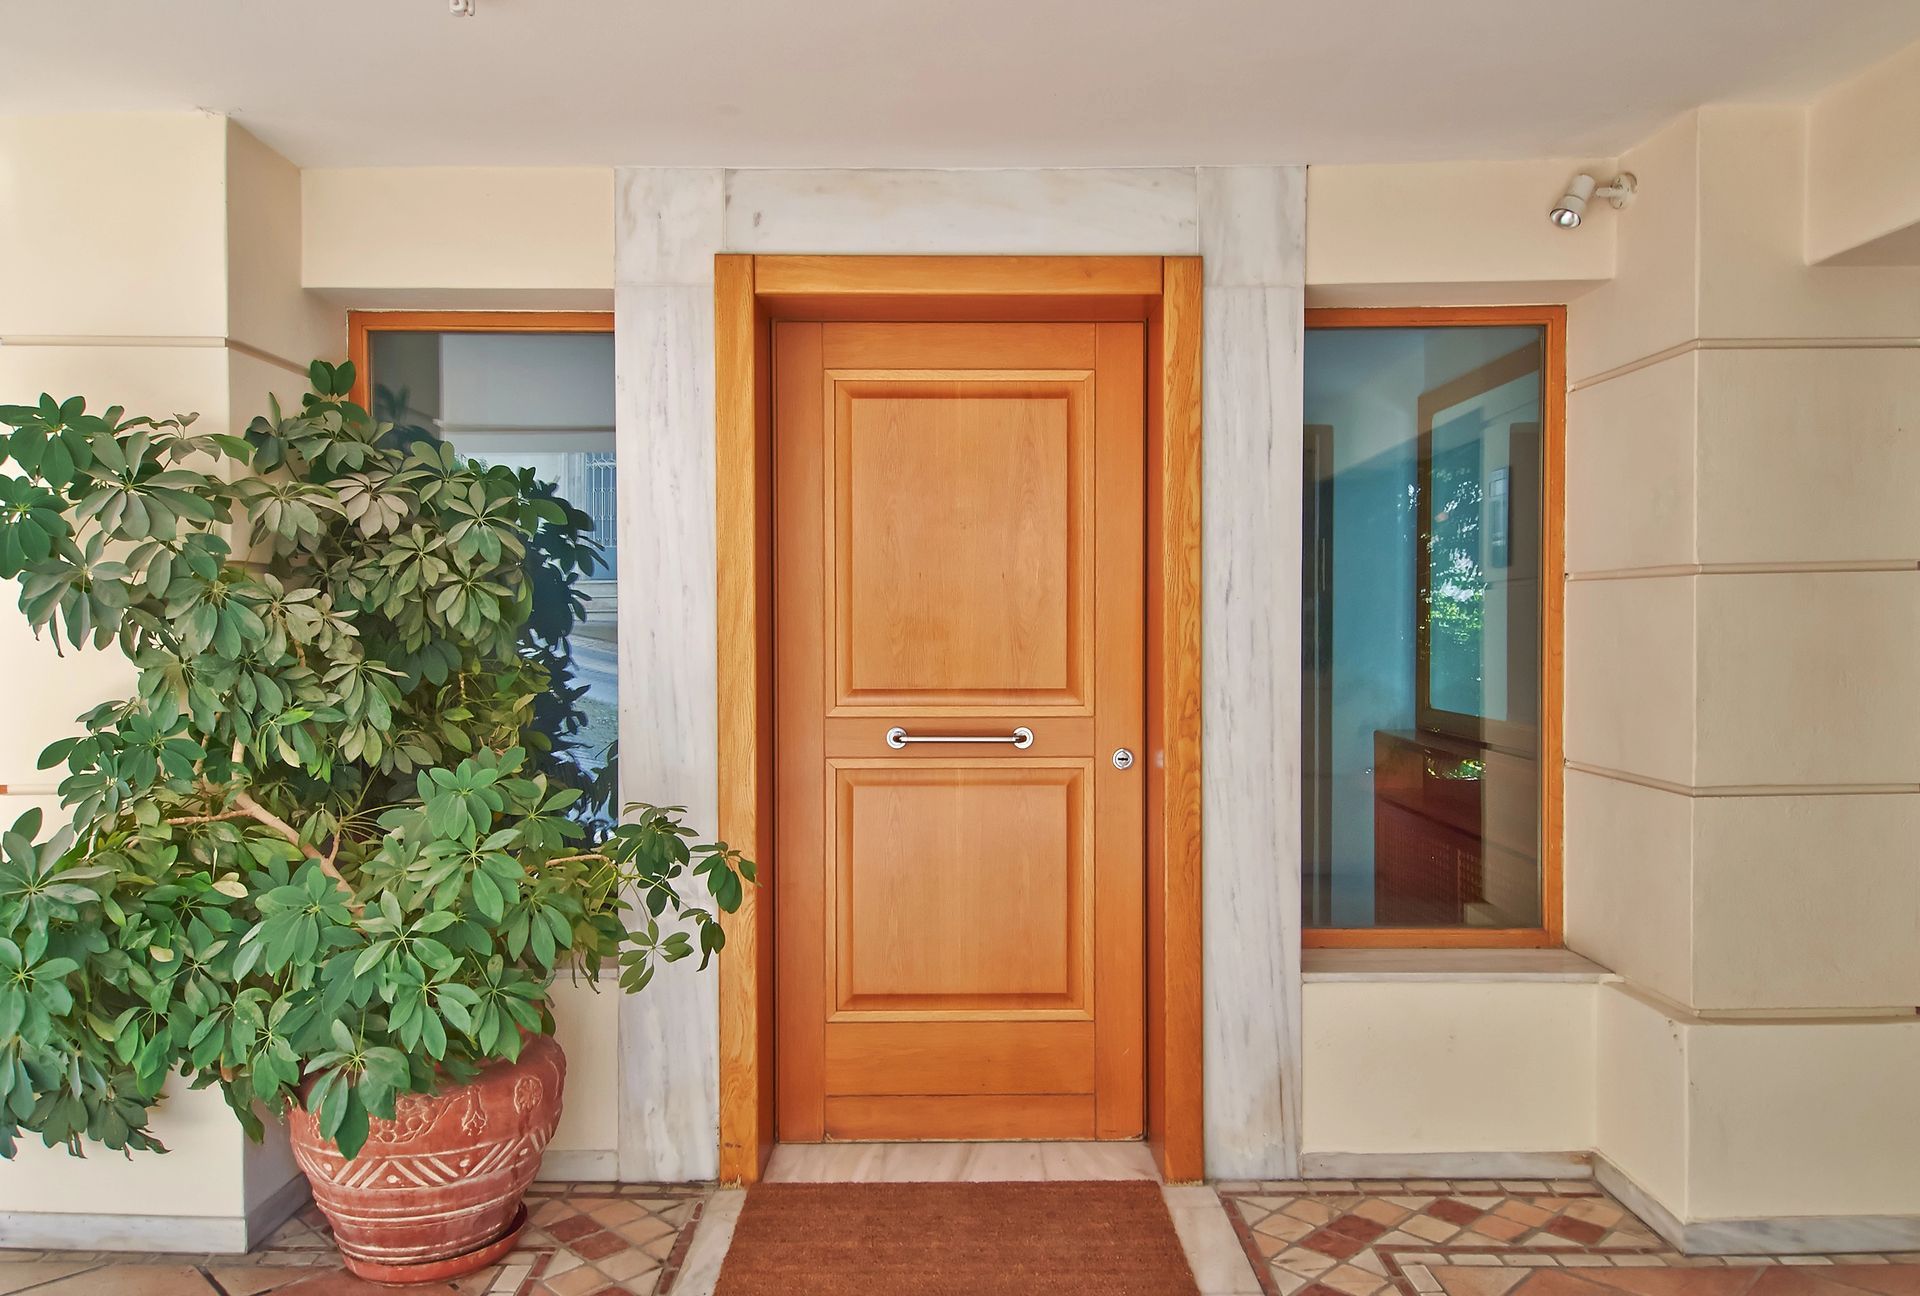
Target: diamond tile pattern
1428	1237
580	1240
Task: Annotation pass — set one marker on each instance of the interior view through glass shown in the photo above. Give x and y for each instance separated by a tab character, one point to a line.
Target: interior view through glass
1421	639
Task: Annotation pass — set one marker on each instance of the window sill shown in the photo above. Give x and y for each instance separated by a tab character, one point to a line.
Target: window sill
1450	965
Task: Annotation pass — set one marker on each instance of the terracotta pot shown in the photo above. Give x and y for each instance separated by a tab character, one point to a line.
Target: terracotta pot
440	1184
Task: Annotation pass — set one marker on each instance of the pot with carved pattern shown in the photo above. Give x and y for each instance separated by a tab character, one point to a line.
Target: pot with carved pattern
436	1192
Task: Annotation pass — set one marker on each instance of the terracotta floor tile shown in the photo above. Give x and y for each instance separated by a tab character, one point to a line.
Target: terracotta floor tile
1596	1210
1329	1243
16	1275
1357	1227
1311	1211
131	1280
1453	1212
627	1266
1300	1260
1798	1280
252	1280
1381	1211
1576	1230
617	1211
1460	1280
1678	1282
1524	1212
1887	1279
578	1282
596	1245
1283	1226
1428	1228
578	1226
1501	1227
1560	1282
1353	1280
644	1229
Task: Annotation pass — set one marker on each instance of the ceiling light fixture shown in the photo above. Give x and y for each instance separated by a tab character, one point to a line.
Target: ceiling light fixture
1573	204
460	8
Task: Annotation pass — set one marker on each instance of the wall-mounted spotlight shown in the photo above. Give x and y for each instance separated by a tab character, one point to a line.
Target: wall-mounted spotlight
1573	204
460	8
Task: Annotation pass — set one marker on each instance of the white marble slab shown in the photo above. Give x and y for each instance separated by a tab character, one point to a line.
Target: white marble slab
1250	812
958	1162
667	225
663	342
1253	227
700	1273
1219	1263
1065	212
1248	223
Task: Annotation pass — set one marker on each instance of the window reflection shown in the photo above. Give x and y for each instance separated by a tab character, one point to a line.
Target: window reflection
1421	627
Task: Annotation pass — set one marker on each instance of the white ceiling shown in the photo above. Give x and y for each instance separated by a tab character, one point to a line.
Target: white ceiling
935	82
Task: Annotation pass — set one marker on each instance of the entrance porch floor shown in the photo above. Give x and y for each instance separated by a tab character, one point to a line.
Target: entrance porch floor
1315	1238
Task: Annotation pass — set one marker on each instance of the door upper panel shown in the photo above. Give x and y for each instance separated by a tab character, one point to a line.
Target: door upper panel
961	541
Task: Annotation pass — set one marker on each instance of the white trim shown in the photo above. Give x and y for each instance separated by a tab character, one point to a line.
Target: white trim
49	1231
214	1234
1446	1165
1767	1235
1536	965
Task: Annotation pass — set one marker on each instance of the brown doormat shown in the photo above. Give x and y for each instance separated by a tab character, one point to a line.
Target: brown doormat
956	1239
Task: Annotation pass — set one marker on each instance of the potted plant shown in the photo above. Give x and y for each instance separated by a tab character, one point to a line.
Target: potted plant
324	857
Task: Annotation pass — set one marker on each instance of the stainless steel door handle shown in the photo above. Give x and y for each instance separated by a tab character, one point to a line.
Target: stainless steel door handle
898	738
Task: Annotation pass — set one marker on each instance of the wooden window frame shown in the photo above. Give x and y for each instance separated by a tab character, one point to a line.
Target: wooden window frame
1163	293
361	324
1553	397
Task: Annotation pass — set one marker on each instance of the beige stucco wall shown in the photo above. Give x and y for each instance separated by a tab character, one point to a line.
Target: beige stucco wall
460	237
1741	613
1464	1066
1863	200
172	286
1452	234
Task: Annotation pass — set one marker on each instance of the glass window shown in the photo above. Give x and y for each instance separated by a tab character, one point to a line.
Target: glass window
1421	636
541	402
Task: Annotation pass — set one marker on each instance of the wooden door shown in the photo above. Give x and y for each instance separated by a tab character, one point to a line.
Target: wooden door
958	552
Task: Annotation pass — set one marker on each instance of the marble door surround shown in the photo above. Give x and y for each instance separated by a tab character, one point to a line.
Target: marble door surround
1244	226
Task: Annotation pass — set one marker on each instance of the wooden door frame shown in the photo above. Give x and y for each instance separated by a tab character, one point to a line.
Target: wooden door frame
1163	293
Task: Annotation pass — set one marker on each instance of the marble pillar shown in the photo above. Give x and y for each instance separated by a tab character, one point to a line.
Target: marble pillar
1252	236
667	229
1248	223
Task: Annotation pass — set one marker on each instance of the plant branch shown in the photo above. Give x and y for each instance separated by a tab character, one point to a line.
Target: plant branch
210	818
244	800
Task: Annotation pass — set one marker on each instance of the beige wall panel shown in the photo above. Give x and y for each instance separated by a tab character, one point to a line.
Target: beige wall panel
199	1175
1754	280
1803	1119
458	233
1396	1066
1629	881
1806	902
1640	1114
112	225
1630	676
266	306
1863	171
588	1029
1457	224
1808	678
1630	469
1651	303
1809	455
